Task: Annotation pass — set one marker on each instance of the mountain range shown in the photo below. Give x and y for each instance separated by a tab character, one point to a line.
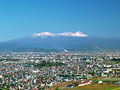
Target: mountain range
46	41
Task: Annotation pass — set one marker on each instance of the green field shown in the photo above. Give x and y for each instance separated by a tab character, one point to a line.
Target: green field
95	87
115	88
110	79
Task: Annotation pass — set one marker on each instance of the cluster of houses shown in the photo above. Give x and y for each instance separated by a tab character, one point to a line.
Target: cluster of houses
18	70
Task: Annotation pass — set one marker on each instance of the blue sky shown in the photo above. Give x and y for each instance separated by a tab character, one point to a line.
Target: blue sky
21	18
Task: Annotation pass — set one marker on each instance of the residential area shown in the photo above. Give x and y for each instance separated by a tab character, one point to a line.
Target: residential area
41	71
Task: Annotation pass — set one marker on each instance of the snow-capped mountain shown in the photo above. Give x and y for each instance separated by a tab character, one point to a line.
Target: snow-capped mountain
46	34
61	41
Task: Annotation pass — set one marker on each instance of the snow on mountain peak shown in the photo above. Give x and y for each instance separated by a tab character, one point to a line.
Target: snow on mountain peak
35	35
76	34
44	34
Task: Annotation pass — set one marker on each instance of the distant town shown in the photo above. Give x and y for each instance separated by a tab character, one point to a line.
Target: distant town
43	71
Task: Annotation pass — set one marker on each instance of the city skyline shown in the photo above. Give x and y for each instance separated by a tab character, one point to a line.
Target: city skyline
19	19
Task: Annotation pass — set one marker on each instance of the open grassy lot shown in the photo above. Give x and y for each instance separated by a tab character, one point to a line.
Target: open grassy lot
111	79
95	87
114	88
3	89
